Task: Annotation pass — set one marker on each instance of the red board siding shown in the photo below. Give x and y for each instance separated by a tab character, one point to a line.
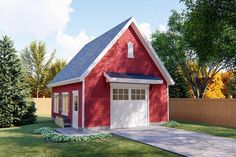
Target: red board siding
97	91
69	88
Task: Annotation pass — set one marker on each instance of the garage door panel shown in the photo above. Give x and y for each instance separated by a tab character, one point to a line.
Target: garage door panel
129	113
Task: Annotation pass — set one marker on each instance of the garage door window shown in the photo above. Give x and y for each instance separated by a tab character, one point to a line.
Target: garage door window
120	94
138	94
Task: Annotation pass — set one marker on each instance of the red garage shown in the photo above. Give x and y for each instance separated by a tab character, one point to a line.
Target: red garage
115	81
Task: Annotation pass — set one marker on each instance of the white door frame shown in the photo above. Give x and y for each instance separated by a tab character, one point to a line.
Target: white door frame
129	86
75	93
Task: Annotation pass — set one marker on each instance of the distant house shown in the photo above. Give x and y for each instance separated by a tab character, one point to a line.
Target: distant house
115	81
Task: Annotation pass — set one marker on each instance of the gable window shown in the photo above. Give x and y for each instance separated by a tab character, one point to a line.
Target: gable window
56	103
65	103
130	50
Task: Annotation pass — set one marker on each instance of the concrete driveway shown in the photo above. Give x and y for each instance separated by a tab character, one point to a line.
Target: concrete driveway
182	142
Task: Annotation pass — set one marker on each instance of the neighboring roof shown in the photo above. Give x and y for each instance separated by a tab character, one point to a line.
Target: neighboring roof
132	78
87	58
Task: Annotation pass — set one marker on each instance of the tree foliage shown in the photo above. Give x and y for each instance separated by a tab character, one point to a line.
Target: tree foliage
37	63
15	105
56	67
201	41
229	79
215	87
165	46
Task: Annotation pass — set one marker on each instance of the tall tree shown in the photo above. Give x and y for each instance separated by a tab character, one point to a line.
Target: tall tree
165	46
201	43
211	35
37	63
15	106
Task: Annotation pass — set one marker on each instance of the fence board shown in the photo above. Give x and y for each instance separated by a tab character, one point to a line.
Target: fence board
43	106
220	112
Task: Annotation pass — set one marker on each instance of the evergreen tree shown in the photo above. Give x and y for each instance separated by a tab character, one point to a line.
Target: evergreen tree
15	106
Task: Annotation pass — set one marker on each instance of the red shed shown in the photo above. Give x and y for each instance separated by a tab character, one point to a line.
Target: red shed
115	81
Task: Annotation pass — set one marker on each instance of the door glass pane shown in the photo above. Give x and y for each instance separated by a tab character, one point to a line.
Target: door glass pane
75	103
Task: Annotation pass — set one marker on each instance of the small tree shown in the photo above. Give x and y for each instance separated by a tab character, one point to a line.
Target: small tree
15	105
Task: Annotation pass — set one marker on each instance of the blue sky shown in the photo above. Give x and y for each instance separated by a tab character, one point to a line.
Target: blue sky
67	25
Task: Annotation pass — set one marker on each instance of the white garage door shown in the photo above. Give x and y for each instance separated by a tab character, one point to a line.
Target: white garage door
129	106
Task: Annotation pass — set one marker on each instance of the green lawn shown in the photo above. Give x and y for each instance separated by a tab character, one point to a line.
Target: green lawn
19	141
208	129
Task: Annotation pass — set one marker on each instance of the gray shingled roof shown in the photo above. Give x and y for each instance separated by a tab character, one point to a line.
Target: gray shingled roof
85	57
132	76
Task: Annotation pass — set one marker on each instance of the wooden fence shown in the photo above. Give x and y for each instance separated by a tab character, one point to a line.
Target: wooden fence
220	112
43	106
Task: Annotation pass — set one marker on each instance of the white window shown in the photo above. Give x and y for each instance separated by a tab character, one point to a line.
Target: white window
138	94
65	103
130	50
120	94
56	102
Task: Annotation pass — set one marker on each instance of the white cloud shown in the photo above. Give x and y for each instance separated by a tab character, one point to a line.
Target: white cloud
162	28
68	45
146	29
38	18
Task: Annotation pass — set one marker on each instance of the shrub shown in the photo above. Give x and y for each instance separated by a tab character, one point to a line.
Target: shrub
170	124
43	130
29	116
51	135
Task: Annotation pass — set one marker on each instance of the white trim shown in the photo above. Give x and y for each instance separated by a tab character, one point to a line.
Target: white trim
55	93
144	41
135	81
74	80
101	55
168	103
75	92
146	44
65	93
83	90
152	53
134	86
148	116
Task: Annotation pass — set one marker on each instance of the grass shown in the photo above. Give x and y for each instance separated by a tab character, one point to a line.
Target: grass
208	129
19	141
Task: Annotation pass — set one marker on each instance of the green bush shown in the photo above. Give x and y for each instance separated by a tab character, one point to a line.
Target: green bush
50	134
43	130
170	124
29	116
